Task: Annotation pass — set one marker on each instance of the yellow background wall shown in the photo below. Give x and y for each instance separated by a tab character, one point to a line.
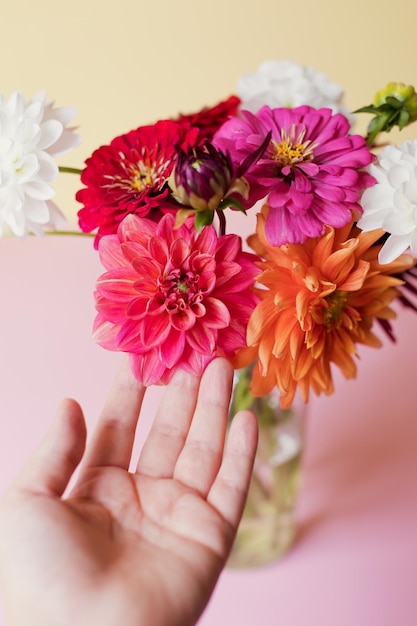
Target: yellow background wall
125	63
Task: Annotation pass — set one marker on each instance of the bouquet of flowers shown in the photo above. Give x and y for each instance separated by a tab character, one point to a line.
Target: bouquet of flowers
333	248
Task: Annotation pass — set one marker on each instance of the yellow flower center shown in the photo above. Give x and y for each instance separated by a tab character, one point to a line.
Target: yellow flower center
143	177
183	286
139	176
333	312
292	148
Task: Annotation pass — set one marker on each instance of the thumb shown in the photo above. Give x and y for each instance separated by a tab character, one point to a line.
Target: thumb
50	468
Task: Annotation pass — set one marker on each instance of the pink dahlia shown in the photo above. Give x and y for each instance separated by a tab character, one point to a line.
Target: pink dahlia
310	175
173	297
130	175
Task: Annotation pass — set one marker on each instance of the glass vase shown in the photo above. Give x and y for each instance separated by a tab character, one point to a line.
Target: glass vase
267	529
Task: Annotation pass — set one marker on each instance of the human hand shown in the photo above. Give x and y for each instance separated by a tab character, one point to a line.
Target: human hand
128	548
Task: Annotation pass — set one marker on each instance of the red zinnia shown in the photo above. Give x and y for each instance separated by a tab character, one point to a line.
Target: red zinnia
129	175
210	119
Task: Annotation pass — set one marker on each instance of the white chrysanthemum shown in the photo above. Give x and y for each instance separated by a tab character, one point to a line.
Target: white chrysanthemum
391	203
32	134
286	83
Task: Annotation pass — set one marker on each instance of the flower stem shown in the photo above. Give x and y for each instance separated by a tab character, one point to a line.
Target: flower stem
74	233
70	170
222	222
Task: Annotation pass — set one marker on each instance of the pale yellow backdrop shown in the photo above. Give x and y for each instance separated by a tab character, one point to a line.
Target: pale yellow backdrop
125	63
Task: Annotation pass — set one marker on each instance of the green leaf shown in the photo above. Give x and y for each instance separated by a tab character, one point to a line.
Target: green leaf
203	218
231	202
368	109
394	102
375	126
403	119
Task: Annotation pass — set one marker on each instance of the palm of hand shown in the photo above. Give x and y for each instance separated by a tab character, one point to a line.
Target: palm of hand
152	541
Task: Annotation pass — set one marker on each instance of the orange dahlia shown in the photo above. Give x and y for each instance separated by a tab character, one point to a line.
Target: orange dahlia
318	301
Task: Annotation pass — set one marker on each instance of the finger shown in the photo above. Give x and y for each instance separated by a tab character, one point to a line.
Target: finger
113	439
229	490
201	456
170	427
53	463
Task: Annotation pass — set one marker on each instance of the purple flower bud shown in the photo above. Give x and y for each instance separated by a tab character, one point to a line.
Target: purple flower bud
201	177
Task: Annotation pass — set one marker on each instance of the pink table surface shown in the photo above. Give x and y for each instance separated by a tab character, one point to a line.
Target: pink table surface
354	562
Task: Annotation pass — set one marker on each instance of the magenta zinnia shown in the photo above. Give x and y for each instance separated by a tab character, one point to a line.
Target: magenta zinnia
173	297
310	174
